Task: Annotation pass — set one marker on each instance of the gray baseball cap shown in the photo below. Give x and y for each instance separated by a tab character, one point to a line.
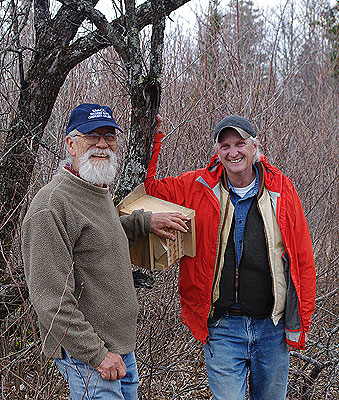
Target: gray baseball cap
240	124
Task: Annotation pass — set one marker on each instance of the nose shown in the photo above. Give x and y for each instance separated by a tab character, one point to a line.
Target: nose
233	152
102	142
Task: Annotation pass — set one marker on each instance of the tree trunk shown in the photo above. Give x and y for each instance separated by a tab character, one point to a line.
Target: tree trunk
145	94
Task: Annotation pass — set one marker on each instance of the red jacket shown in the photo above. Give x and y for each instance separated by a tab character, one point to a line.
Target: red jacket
198	190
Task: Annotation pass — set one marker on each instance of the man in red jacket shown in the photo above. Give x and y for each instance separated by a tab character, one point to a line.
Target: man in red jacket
249	293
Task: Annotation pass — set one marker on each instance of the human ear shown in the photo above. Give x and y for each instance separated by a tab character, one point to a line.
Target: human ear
70	146
255	147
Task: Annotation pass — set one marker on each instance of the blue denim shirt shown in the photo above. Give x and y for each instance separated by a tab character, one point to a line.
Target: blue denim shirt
241	207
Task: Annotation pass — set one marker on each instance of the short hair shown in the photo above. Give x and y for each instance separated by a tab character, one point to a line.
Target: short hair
67	159
73	133
255	140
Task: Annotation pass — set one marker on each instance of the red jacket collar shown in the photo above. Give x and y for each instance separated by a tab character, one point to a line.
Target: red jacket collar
213	171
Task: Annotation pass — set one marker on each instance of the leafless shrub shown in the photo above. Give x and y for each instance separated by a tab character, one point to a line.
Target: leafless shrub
274	69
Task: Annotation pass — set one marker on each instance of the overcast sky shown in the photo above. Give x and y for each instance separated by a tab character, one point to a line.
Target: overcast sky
188	10
186	14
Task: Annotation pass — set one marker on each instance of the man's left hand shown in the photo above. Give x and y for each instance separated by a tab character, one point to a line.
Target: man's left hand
112	367
161	222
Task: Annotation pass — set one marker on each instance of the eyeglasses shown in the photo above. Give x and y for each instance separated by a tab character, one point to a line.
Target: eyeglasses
94	137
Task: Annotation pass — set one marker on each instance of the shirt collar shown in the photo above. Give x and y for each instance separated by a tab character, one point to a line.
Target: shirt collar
73	171
252	192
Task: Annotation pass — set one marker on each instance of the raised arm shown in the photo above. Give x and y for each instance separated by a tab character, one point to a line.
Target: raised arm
170	188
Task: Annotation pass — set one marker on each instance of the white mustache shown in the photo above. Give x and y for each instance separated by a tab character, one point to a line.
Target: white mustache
101	152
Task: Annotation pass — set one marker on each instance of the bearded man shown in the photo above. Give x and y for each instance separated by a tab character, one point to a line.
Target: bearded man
76	257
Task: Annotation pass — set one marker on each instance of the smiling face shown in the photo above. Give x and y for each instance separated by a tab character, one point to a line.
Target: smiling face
237	154
79	147
96	163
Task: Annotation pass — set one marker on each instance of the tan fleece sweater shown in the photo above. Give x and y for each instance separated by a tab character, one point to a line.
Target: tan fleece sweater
76	257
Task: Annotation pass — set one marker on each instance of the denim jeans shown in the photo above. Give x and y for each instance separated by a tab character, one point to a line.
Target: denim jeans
86	383
239	345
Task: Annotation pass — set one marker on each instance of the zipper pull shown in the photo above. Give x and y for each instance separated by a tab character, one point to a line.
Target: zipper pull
236	285
212	312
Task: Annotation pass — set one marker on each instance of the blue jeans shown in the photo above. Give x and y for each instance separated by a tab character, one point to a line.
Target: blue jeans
86	383
239	345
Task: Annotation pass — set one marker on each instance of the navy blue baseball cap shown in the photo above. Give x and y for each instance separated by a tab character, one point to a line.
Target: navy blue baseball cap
87	117
240	124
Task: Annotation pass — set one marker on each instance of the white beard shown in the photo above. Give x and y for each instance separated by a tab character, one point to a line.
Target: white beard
98	171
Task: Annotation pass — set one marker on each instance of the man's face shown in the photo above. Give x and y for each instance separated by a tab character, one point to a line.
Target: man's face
236	153
80	146
95	162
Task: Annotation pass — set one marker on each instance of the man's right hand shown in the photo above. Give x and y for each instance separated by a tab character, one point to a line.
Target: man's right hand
112	367
158	119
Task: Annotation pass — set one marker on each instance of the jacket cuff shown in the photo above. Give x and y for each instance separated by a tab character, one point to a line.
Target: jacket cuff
158	137
98	358
148	221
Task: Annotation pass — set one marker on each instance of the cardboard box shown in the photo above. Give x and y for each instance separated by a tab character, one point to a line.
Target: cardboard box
152	252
